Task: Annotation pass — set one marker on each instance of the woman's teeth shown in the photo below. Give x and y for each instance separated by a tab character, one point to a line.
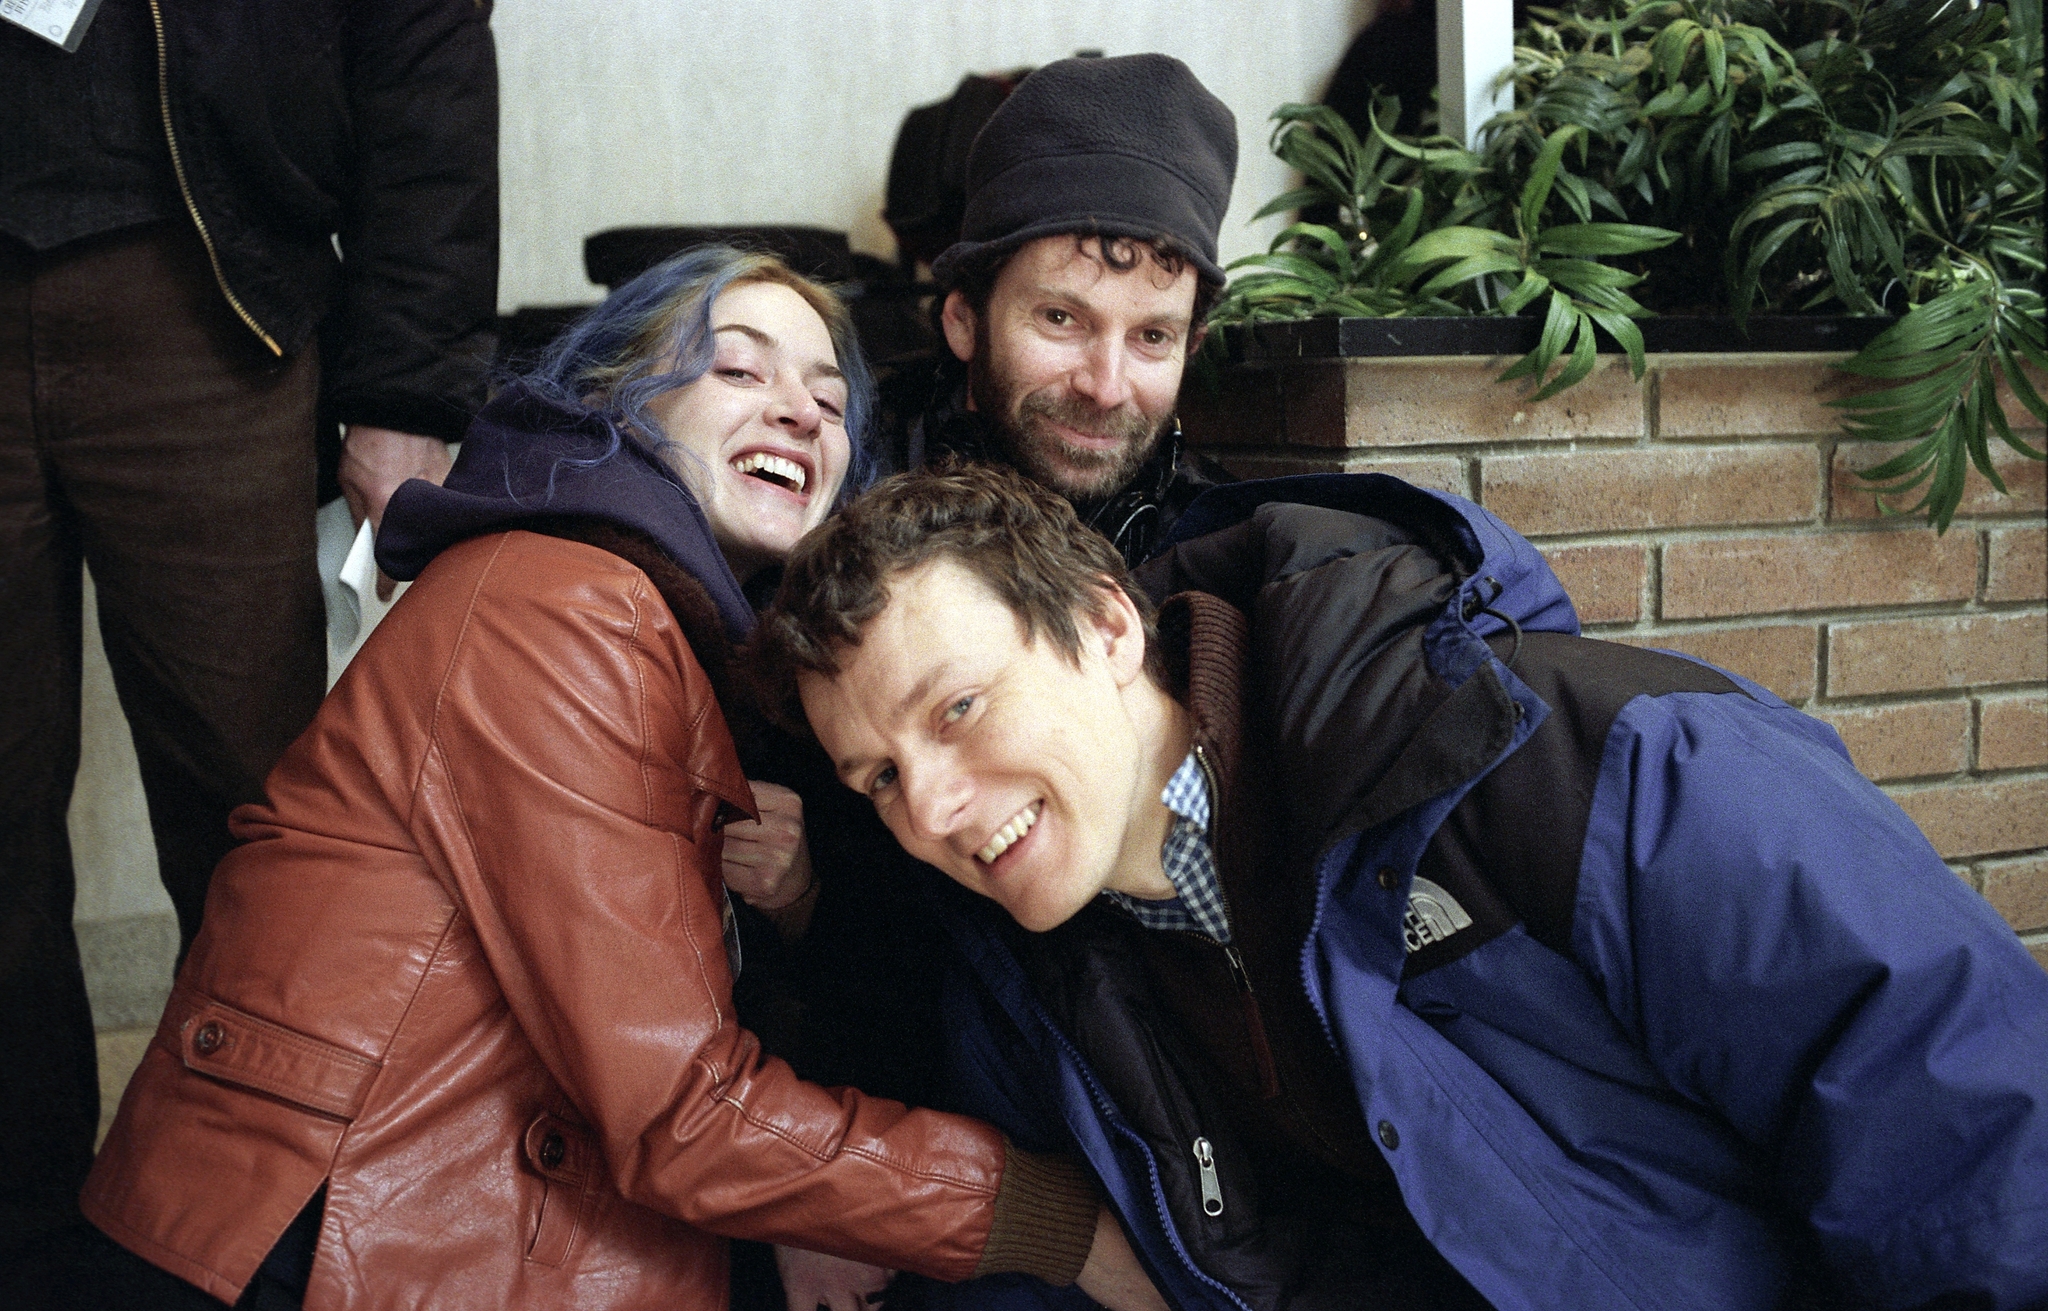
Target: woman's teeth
1007	835
775	467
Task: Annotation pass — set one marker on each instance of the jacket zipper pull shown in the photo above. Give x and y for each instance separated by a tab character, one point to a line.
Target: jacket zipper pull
1262	1050
1212	1188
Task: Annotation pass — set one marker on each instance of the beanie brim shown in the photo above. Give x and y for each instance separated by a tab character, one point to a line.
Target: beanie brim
1115	195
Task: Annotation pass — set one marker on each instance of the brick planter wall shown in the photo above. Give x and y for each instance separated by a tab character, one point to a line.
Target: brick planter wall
1712	508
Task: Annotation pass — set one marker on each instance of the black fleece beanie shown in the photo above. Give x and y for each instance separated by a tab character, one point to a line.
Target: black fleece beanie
1129	147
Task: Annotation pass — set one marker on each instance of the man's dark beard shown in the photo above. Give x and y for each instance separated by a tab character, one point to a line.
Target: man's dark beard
1016	426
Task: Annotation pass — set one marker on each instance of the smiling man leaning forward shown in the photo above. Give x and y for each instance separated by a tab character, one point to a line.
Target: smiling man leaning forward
1391	945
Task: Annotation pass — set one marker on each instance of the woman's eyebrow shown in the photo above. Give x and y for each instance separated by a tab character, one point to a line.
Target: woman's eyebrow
818	369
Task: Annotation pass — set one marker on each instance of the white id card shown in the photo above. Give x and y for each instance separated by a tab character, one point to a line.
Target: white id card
60	22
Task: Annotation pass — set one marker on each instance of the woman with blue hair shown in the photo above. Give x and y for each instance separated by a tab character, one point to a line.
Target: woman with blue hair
458	1029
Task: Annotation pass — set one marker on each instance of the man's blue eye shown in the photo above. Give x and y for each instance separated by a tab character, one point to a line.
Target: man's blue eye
958	708
884	777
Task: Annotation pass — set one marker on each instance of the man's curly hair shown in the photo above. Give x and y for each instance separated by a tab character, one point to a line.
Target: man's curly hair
1022	541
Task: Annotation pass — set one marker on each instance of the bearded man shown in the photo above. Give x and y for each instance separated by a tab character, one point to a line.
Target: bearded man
1085	266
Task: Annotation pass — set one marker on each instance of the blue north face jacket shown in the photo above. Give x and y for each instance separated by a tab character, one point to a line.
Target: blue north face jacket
1680	1005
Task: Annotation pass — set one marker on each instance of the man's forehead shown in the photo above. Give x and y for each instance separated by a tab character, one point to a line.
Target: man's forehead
1067	263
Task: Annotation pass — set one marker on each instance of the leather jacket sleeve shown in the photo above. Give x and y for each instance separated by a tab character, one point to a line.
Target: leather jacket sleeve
570	795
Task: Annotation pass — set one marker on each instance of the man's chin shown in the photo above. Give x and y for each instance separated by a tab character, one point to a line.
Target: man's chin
1076	473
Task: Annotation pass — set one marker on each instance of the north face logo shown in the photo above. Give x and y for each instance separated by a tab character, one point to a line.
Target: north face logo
1433	915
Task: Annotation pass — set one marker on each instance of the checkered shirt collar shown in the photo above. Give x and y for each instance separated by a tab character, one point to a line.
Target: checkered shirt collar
1189	862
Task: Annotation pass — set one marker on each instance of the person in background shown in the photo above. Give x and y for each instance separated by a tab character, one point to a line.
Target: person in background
458	1027
219	220
1076	293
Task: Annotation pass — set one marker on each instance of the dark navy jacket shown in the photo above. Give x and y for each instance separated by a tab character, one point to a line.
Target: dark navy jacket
1723	1014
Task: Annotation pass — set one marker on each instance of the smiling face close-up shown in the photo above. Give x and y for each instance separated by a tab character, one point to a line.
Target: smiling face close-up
760	439
1076	365
1026	777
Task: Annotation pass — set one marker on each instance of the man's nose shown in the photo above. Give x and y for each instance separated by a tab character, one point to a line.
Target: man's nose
935	798
1101	376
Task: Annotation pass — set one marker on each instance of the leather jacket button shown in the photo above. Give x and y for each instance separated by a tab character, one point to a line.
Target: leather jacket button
1388	878
552	1150
209	1038
1390	1138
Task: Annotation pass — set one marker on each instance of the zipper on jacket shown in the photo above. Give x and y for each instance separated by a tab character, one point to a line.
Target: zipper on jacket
1212	1188
1262	1049
163	97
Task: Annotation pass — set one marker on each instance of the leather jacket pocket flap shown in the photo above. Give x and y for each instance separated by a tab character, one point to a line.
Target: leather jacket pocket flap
232	1045
560	1150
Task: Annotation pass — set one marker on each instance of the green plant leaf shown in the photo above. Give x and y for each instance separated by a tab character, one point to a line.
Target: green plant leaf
1578	367
1603	239
1624	331
1464	270
1537	189
1778	156
1532	285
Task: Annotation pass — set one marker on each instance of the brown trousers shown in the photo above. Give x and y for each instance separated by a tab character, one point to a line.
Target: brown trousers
146	432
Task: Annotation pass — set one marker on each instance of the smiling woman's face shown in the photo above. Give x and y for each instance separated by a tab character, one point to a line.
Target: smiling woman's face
762	435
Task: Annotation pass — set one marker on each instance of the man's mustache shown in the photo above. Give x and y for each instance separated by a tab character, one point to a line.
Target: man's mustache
1125	423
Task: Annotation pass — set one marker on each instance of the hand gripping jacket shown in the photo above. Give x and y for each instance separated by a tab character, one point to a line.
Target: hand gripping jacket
1650	1001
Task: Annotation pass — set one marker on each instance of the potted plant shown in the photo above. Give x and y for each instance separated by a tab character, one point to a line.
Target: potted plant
1876	158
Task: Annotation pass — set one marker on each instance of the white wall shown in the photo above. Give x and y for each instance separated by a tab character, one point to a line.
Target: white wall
625	112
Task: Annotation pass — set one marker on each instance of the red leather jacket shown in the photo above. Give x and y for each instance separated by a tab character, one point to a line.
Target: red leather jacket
468	970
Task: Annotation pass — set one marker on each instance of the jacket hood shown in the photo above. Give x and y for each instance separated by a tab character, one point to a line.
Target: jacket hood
1369	601
1485	556
527	460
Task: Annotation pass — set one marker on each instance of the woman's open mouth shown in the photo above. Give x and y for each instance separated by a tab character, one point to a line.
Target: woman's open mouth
778	470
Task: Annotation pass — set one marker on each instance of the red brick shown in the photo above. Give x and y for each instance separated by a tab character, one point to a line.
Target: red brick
1442	473
1779	394
1849	497
1911	740
1906	655
1980	819
2012	731
1750	395
2016	564
1762	575
1657	487
1605	582
1780	656
1443	400
2018	890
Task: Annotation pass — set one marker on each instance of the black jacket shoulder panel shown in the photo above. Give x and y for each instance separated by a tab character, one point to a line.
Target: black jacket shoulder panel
1518	836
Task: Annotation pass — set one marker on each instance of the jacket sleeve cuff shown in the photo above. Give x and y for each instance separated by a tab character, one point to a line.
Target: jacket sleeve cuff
1044	1218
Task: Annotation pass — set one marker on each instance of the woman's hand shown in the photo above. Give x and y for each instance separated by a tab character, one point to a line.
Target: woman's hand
768	865
812	1279
1112	1275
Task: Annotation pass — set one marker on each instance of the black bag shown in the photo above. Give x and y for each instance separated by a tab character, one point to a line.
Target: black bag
927	194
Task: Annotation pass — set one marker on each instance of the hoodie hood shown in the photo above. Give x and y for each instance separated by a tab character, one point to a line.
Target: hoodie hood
527	460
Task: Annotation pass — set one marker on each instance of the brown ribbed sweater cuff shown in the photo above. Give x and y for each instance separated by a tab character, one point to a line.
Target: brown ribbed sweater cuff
1045	1218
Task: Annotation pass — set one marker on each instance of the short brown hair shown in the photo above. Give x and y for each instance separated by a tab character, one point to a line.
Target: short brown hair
1020	540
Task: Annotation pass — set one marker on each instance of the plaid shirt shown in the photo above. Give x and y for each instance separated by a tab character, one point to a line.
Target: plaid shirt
1190	864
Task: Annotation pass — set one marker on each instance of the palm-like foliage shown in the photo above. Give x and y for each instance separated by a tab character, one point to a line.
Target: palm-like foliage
1849	156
